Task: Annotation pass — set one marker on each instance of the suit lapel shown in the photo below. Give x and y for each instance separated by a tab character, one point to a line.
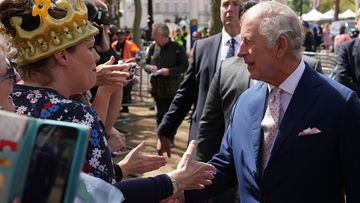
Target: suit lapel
213	53
356	56
257	110
299	106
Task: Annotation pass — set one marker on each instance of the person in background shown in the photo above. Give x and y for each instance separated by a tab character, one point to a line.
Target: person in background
125	50
184	36
348	67
167	61
178	36
309	41
196	35
281	146
342	37
206	58
318	34
327	41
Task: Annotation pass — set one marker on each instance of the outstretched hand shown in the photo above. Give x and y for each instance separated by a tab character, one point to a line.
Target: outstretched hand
191	174
137	162
112	74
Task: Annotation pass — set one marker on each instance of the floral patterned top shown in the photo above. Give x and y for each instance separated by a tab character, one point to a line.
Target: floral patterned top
46	103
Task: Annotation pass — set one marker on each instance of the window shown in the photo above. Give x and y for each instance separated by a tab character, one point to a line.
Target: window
167	9
157	7
176	7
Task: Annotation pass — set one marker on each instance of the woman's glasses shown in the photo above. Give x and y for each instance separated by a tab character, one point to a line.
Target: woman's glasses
10	73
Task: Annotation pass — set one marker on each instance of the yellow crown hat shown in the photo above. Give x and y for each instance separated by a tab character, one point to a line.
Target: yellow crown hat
52	34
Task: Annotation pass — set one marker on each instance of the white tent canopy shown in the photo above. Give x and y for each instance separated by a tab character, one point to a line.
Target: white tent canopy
313	15
347	14
328	15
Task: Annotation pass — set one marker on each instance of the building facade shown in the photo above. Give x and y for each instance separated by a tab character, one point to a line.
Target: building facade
168	9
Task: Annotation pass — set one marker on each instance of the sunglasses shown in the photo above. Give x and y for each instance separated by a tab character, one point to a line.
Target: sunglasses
10	73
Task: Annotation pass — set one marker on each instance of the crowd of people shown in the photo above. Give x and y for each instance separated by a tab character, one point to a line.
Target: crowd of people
269	126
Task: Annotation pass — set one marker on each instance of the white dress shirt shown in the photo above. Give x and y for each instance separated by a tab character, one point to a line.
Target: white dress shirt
224	46
288	87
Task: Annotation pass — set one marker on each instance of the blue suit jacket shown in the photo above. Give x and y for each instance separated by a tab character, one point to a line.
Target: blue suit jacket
313	168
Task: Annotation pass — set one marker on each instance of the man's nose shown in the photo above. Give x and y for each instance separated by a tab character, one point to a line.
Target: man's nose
242	50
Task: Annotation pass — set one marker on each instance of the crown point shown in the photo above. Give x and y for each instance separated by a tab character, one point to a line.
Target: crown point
41	8
30	49
55	40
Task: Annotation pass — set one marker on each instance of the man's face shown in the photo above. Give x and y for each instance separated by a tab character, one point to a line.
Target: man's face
121	37
230	12
156	36
255	51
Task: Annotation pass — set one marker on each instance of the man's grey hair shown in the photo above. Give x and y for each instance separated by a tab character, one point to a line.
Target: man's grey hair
162	28
278	19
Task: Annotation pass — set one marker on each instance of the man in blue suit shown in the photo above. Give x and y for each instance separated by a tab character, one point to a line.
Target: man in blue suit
312	136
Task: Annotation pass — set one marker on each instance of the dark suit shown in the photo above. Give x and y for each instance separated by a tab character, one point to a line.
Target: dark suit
348	68
309	168
194	88
228	83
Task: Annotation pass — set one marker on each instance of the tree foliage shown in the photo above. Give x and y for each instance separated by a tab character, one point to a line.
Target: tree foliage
325	5
136	24
216	24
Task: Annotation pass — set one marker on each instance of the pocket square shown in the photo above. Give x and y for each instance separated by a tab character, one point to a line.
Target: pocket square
309	131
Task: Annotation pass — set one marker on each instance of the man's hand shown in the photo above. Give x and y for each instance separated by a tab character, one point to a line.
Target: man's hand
163	145
136	162
191	174
165	72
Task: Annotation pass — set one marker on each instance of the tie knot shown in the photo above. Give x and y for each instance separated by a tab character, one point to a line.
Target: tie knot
275	93
231	50
231	42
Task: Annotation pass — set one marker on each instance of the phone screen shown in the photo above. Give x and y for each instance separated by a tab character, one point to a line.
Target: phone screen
50	164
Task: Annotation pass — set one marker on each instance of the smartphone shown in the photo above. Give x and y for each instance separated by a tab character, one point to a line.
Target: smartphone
51	165
132	70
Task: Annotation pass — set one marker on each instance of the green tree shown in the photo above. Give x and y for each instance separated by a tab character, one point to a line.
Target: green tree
137	22
216	24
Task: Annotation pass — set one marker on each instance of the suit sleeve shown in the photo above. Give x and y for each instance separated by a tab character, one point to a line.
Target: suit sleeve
344	72
151	189
181	104
212	122
225	176
349	147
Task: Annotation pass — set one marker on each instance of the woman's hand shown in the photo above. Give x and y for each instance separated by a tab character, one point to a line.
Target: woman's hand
136	162
112	74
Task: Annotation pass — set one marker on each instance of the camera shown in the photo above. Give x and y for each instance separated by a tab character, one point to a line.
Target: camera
102	17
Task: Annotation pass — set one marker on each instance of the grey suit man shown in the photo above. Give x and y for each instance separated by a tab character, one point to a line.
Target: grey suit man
229	82
206	57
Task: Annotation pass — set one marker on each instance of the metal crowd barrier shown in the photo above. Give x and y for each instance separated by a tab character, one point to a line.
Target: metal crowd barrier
328	61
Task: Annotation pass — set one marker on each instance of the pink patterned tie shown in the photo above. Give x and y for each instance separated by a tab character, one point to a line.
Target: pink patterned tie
270	124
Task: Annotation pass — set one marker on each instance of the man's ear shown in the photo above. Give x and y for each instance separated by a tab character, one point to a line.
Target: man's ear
61	57
282	46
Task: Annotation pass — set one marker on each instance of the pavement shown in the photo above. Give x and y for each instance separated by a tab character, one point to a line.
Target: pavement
140	122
